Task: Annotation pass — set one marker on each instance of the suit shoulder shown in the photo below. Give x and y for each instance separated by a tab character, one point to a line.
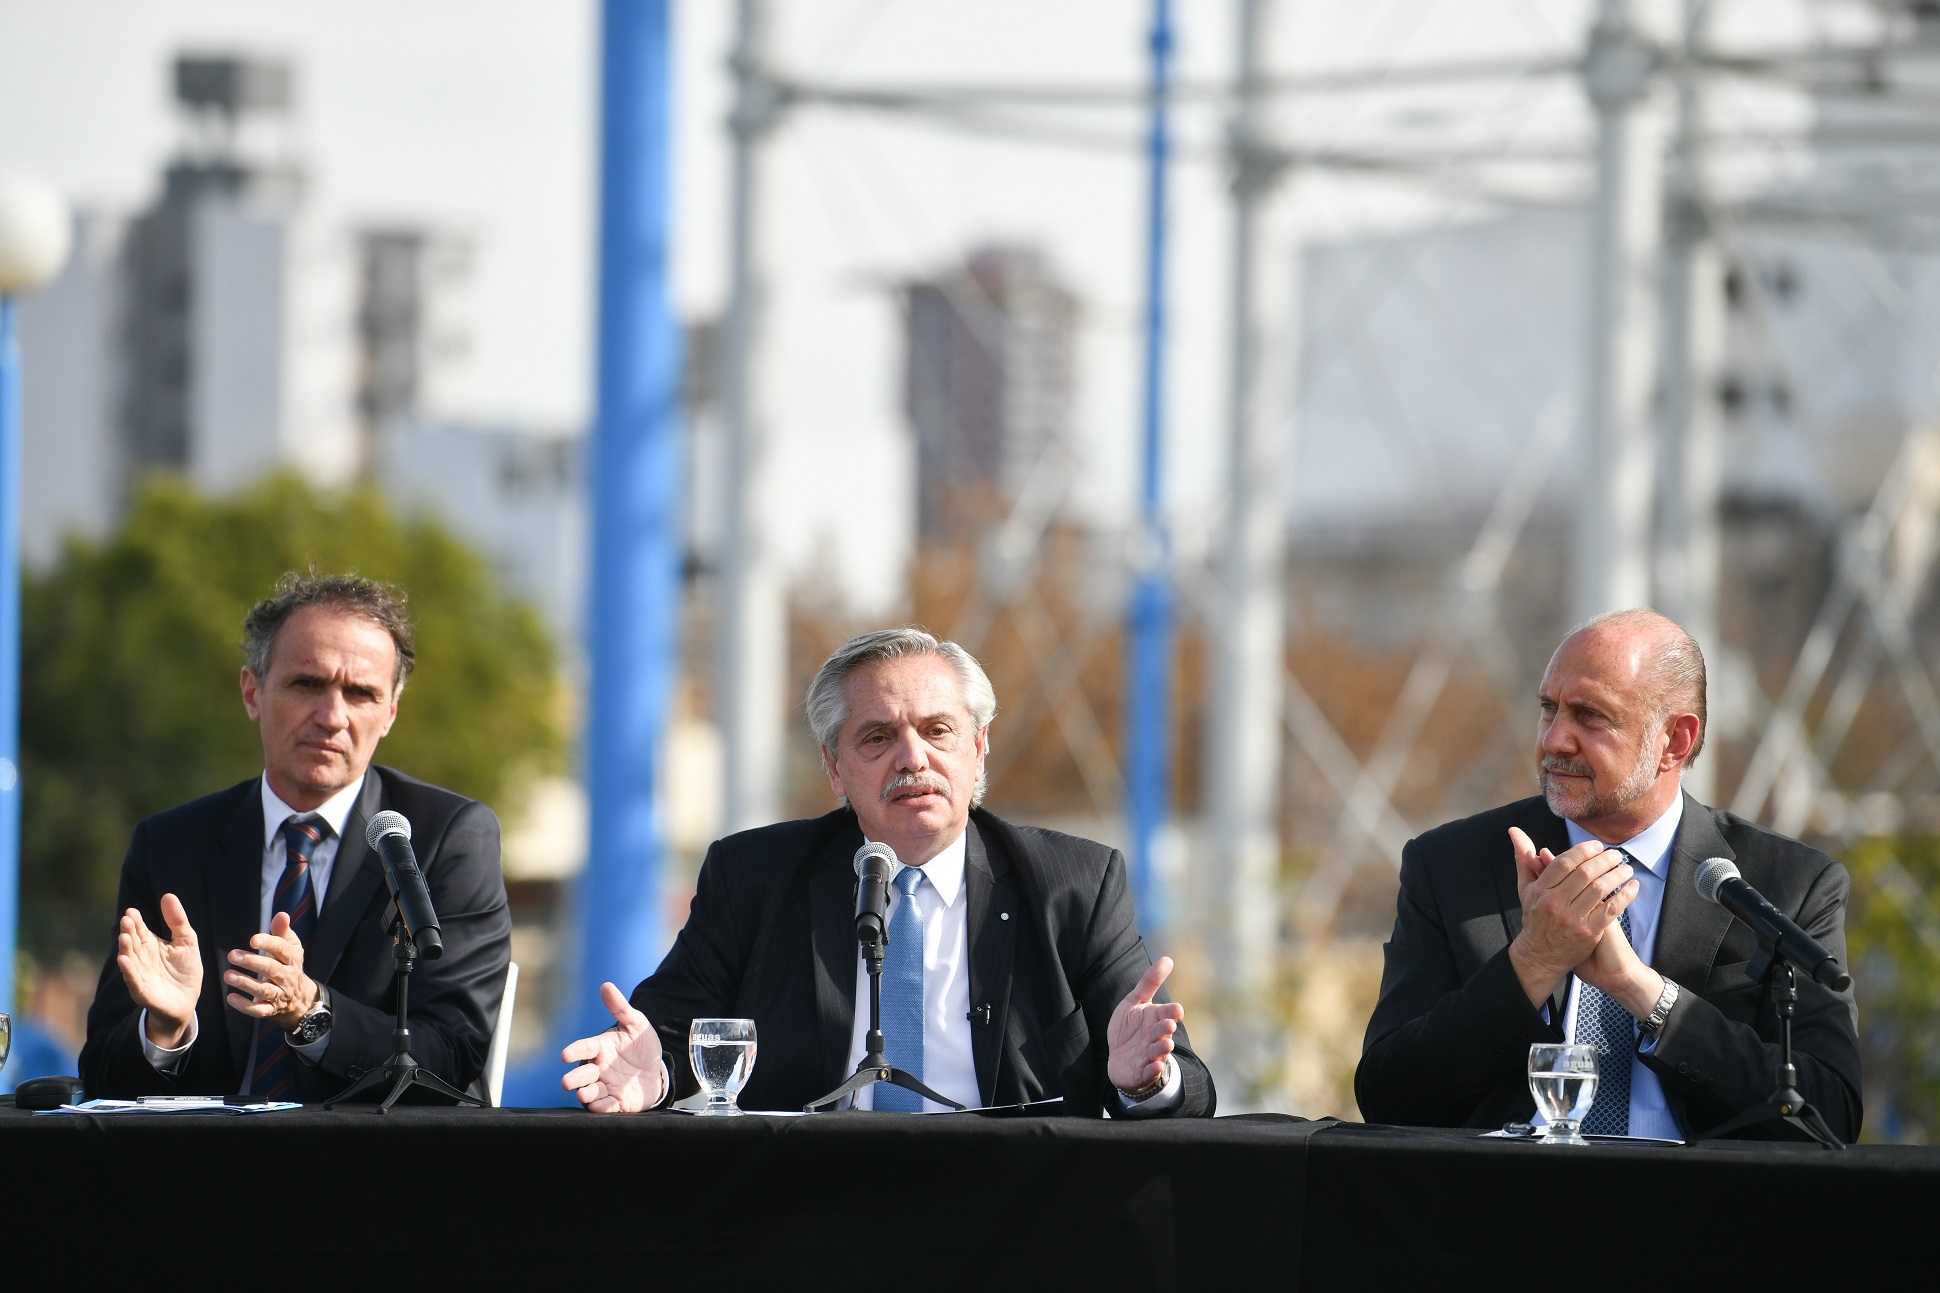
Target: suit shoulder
420	800
1761	846
1057	859
198	818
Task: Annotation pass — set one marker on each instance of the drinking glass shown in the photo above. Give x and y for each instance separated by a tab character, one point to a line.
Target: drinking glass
722	1052
1563	1080
6	1037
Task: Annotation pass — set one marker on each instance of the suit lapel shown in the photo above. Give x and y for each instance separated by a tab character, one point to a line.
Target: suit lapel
235	900
831	905
993	921
1689	929
354	877
1546	831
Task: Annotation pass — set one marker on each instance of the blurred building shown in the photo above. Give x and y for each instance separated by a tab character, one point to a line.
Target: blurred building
196	335
988	383
408	327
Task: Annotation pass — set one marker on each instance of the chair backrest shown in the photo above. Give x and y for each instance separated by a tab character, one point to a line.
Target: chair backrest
501	1035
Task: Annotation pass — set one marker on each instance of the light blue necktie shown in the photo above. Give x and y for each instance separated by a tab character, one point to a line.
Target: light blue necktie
902	996
1602	1023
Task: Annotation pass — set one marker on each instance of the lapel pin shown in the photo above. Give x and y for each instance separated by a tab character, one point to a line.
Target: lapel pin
1003	915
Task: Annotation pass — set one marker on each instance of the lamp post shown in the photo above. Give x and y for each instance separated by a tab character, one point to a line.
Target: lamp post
34	238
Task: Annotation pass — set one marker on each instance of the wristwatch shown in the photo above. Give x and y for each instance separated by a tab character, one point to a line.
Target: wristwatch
1653	1023
1153	1087
315	1025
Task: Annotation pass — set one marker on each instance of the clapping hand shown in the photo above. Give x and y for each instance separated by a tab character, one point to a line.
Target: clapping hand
1569	900
1140	1033
163	977
620	1071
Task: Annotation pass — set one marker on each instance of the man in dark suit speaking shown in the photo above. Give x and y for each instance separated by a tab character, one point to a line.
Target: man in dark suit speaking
1574	916
1015	971
274	978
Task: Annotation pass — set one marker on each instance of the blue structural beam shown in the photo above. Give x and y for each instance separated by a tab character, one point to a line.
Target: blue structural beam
9	646
634	610
1148	680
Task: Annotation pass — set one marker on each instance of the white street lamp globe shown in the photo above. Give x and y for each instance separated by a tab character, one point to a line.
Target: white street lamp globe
34	233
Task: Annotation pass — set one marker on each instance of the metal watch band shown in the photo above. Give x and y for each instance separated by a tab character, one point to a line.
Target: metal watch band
1661	1012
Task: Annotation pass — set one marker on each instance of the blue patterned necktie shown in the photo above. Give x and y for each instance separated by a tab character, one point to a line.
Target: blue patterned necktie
274	1076
902	996
1602	1023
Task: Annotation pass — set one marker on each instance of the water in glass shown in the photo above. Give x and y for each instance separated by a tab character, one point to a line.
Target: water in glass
1563	1080
6	1037
722	1052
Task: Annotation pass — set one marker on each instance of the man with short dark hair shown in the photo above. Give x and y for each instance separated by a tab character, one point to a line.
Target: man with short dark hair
252	955
1014	969
1574	916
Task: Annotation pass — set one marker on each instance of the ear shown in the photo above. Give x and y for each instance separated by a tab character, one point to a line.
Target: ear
397	694
1682	733
835	777
249	695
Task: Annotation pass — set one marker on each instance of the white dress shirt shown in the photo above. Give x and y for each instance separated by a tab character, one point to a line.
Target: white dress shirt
949	1064
1650	850
334	811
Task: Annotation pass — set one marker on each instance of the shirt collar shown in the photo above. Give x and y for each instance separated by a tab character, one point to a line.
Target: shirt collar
945	870
1649	847
334	810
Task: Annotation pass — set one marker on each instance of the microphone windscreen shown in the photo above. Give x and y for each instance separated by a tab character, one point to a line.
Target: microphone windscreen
1711	875
880	850
387	823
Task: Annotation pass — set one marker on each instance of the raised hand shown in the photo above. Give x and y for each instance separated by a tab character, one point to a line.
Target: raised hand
275	986
163	977
1568	901
620	1071
1140	1033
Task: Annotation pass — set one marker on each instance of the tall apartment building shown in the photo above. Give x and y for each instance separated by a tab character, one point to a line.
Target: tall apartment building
988	382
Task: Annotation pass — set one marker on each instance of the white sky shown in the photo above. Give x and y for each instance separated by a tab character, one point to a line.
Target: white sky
480	115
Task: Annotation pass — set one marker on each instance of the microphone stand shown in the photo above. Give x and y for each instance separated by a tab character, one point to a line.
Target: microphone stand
874	1067
1786	1105
402	1071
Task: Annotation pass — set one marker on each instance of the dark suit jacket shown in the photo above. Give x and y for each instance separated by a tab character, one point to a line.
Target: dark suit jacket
771	937
1449	1041
209	853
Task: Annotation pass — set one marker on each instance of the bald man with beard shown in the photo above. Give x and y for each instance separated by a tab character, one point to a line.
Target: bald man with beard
1574	916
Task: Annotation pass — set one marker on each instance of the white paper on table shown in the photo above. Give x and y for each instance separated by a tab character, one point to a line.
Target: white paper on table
201	1104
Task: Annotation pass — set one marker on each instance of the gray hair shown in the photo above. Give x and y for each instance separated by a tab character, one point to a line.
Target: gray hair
827	705
380	603
1675	675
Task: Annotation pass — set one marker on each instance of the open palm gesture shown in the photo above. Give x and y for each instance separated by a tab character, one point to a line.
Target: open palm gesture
164	976
1140	1032
620	1071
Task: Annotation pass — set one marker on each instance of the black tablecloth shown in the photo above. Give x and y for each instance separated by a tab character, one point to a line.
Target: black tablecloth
521	1198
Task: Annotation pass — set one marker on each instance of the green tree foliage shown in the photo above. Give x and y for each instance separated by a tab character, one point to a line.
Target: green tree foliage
131	654
1893	937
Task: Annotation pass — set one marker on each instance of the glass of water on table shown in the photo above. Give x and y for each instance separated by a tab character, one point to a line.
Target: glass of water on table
722	1052
1563	1080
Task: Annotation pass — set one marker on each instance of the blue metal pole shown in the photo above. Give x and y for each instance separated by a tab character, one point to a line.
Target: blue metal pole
9	646
634	610
1148	700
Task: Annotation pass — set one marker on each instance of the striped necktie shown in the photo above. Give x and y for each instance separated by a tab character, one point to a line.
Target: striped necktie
1602	1023
902	996
274	1075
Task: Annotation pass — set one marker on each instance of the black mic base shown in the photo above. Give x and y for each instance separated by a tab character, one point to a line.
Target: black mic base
1794	1113
403	1073
872	1070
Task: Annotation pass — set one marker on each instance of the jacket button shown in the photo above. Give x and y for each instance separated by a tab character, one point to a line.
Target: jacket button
1684	1068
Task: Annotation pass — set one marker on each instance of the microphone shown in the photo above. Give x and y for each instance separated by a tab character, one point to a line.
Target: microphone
1718	881
875	867
390	834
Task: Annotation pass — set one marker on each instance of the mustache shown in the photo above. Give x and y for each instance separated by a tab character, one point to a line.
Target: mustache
1574	767
921	781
